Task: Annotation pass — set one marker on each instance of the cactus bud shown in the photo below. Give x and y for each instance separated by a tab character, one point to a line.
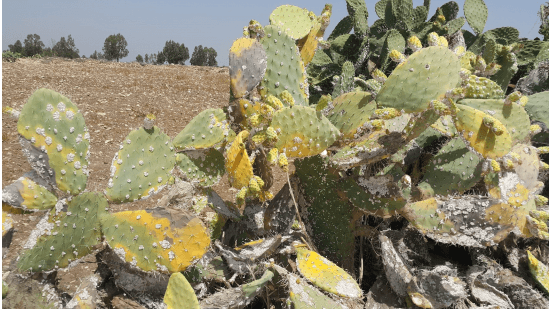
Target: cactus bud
432	39
523	101
376	124
266	110
544	166
323	102
495	125
254	186
271	134
255	120
274	102
379	75
492	69
397	56
414	43
283	161
272	156
268	195
287	98
440	108
543	150
259	137
459	51
513	97
386	113
441	19
464	74
494	165
480	64
540	200
442	41
535	129
260	181
508	163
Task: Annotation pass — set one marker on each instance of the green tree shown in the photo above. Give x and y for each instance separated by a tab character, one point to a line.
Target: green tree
211	55
97	55
175	53
33	45
160	58
115	47
146	58
139	58
66	48
17	47
204	56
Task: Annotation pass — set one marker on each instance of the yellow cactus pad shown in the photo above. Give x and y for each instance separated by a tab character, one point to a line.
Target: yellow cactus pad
238	163
28	195
539	271
7	223
180	293
325	274
159	239
309	44
469	122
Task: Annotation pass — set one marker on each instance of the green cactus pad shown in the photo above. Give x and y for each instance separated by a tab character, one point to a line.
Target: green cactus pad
359	16
304	296
402	11
393	41
180	293
468	121
512	116
429	73
142	166
325	274
203	166
28	195
539	271
253	288
214	270
482	88
163	240
476	13
302	131
351	110
455	169
285	70
294	20
345	82
446	126
73	234
247	65
537	107
205	130
53	124
509	68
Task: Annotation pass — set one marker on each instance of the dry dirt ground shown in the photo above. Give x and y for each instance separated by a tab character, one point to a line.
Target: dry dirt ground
114	98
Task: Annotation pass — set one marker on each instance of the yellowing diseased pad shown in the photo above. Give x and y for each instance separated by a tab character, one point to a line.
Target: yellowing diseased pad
159	239
247	65
238	163
28	195
539	271
325	274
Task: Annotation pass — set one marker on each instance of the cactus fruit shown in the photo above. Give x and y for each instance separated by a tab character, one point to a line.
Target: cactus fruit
28	195
180	293
247	65
325	274
159	239
207	129
142	166
55	127
420	71
69	235
302	131
285	70
350	111
203	166
238	163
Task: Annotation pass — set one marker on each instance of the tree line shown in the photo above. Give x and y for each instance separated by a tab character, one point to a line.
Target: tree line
115	48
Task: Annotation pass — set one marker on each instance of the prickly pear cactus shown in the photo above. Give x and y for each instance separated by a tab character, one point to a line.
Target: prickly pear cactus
247	65
206	130
180	293
203	166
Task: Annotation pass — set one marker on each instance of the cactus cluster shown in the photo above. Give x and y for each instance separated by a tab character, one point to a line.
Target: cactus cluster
398	135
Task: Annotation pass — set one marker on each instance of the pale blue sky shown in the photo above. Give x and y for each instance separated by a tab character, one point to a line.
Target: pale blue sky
147	25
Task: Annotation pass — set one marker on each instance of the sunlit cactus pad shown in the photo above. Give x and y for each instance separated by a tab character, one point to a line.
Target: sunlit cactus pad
53	124
69	235
351	110
28	195
247	65
426	75
238	163
205	130
293	20
203	166
159	239
304	296
142	166
180	293
303	132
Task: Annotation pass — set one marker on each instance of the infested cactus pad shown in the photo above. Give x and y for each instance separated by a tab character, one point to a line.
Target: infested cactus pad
325	274
238	163
247	65
53	124
142	166
205	130
203	166
159	239
70	235
28	195
425	76
303	132
293	20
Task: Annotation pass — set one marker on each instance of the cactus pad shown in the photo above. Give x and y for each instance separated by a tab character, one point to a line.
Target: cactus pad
309	44
303	132
72	236
423	77
142	166
539	271
304	296
476	13
238	163
203	166
247	65
53	124
294	20
482	88
285	70
325	274
351	110
205	130
159	239
469	122
28	195
180	293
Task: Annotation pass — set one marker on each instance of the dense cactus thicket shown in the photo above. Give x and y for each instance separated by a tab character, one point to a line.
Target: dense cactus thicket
413	152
